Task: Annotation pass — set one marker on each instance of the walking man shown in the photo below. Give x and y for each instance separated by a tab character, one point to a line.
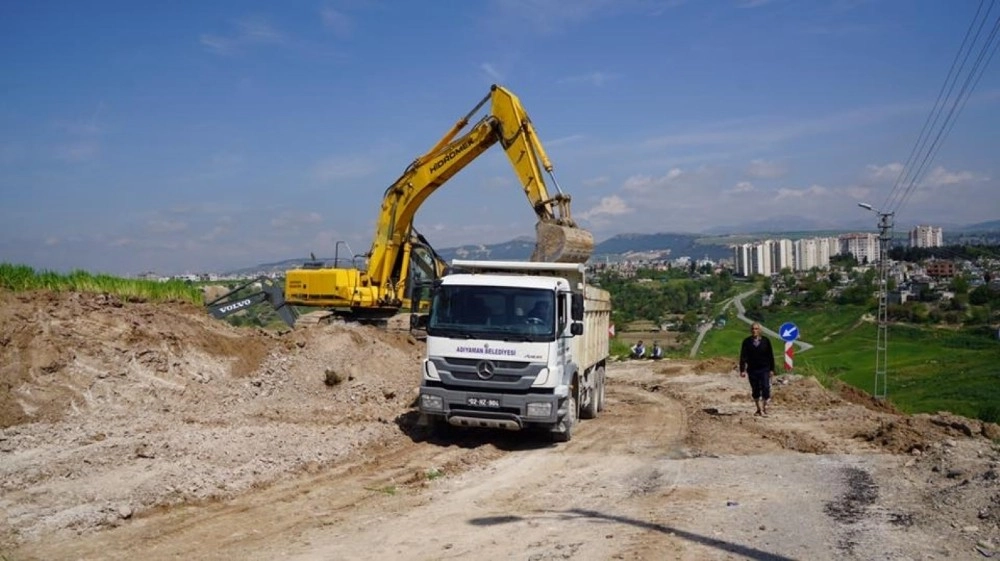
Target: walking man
757	363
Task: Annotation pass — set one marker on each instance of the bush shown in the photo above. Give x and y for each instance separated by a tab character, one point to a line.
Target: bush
989	413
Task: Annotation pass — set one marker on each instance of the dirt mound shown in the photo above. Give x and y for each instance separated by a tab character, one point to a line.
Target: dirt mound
854	395
60	351
715	365
112	409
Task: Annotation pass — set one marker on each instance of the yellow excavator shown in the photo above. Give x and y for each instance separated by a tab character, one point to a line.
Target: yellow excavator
383	287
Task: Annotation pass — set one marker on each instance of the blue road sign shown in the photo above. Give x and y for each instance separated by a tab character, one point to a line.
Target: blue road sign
788	332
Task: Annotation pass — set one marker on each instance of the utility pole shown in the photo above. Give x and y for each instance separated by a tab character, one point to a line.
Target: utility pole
882	338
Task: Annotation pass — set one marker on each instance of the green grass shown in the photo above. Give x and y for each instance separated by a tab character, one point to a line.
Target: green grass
20	278
929	369
724	341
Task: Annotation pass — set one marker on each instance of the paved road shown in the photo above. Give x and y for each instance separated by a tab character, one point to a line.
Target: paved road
740	313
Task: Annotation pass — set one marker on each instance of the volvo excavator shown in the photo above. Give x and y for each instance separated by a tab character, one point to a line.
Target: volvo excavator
383	287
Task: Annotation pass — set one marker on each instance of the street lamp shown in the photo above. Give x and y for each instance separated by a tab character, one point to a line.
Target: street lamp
882	340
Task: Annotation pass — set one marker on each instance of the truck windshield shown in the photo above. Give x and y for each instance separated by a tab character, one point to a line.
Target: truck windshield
489	312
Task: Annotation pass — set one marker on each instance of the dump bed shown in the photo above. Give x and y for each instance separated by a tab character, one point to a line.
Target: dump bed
592	347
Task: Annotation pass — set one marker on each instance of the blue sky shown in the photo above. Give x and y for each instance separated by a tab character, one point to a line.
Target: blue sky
193	136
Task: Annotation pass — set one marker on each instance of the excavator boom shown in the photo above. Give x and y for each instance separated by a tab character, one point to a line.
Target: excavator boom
382	288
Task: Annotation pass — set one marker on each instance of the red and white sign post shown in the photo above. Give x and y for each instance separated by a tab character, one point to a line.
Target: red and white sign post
789	332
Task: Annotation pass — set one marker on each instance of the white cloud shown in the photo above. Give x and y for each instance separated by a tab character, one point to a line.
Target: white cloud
742	187
79	151
607	206
888	172
858	193
83	138
763	131
643	184
809	192
166	226
556	16
249	32
596	181
294	219
763	169
940	177
339	23
214	234
565	140
491	72
593	78
336	168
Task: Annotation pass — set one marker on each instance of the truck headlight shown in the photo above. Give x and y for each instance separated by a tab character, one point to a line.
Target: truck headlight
431	402
542	379
538	409
430	371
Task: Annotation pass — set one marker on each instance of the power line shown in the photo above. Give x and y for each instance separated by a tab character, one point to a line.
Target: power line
910	175
924	153
985	55
935	111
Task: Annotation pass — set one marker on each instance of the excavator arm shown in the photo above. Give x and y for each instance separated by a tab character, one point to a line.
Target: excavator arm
507	123
236	300
381	288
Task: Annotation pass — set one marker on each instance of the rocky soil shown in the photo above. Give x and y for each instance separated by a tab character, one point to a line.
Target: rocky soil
140	430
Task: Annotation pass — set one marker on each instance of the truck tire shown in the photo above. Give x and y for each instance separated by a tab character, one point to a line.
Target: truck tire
600	389
564	430
436	427
596	403
589	409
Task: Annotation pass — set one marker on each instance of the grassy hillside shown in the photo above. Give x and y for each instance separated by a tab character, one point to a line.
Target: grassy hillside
22	278
929	369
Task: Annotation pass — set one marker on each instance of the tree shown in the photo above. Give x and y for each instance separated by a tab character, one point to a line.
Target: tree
960	284
979	295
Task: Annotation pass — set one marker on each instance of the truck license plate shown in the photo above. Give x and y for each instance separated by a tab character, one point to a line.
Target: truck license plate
482	401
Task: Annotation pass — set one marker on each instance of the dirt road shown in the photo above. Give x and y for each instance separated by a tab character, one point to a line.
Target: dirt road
149	431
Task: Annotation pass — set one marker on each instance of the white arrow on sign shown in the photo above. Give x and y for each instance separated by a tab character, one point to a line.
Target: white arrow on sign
788	333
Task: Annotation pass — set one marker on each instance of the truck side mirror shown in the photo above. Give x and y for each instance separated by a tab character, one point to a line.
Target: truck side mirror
576	312
576	328
418	321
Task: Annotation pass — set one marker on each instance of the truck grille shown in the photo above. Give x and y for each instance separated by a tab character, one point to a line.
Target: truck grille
472	362
508	378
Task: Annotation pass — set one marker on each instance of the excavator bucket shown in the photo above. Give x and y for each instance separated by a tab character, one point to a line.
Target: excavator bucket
562	244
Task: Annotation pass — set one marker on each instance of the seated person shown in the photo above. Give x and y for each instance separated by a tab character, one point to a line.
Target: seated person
541	311
638	350
656	353
477	312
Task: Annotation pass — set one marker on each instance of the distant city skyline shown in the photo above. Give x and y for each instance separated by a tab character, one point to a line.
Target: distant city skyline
250	132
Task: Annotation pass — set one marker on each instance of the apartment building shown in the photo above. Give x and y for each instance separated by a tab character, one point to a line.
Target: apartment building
864	247
926	236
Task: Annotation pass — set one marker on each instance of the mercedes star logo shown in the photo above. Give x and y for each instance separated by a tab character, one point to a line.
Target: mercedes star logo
486	369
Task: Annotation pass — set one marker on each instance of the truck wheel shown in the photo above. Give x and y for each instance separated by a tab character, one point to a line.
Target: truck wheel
589	410
600	389
437	427
564	431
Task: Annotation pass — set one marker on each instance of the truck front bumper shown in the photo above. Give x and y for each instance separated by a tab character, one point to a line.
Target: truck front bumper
492	410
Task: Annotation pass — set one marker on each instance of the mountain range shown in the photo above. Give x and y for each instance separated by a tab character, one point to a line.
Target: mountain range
666	245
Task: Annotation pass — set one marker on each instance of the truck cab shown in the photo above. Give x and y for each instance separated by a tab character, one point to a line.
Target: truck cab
505	348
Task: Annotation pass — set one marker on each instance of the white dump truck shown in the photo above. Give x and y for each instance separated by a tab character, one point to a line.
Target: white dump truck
515	345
